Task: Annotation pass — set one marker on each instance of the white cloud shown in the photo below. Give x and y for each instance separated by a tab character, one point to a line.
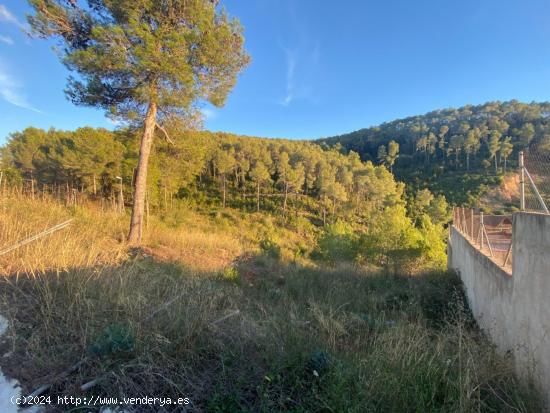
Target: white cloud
208	113
6	40
301	64
302	58
290	70
7	16
9	91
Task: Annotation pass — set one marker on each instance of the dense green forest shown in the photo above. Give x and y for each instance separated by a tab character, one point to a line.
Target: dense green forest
456	152
395	177
310	185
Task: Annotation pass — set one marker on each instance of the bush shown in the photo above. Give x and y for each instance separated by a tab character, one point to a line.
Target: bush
392	241
230	274
338	243
270	248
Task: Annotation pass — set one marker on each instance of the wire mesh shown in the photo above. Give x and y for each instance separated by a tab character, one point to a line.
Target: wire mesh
491	234
537	165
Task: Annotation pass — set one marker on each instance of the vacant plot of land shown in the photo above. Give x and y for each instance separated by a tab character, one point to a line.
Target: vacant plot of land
299	337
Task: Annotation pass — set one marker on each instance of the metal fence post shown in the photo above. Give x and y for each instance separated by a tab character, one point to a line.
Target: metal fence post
455	221
521	182
537	193
481	228
472	223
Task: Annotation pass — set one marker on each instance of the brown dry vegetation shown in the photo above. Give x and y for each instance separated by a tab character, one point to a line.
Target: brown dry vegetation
504	197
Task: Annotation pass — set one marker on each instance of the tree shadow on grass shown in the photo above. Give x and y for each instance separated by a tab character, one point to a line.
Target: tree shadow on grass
303	339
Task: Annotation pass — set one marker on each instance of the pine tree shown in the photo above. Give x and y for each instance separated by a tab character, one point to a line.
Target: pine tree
506	149
144	61
260	175
393	153
493	145
225	162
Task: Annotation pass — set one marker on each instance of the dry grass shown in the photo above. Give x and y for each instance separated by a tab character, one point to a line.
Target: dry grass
305	339
202	251
92	239
97	238
504	195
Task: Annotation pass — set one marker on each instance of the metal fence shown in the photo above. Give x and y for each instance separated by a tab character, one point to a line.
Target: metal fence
535	179
491	234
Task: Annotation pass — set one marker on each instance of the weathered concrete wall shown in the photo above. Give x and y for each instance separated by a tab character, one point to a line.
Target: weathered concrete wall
514	309
531	299
488	287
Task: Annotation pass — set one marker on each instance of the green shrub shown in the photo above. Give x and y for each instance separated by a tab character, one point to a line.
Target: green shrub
114	339
230	274
338	242
270	247
392	241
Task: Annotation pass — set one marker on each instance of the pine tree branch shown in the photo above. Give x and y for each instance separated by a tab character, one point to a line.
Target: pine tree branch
165	133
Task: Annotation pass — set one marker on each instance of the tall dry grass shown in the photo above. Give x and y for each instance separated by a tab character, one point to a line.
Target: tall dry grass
97	237
93	237
305	339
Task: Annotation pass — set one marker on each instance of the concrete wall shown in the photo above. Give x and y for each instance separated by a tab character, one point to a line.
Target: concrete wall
514	309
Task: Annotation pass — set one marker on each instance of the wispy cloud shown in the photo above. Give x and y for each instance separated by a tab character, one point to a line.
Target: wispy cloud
6	40
7	16
302	59
10	92
290	70
301	63
208	113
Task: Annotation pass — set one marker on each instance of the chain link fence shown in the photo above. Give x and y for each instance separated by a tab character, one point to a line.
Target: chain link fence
491	234
537	179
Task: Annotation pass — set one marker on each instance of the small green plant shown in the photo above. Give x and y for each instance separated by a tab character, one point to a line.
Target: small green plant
231	274
319	361
116	338
270	248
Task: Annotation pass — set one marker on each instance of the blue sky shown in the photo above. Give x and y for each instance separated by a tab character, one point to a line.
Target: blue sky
320	67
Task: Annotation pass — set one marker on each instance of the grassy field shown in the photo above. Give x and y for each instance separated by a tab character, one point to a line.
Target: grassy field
232	313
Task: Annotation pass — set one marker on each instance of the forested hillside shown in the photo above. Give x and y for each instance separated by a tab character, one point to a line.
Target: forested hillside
311	187
456	152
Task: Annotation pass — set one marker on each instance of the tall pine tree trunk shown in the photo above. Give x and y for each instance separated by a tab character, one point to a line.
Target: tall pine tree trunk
258	197
286	197
223	180
140	184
